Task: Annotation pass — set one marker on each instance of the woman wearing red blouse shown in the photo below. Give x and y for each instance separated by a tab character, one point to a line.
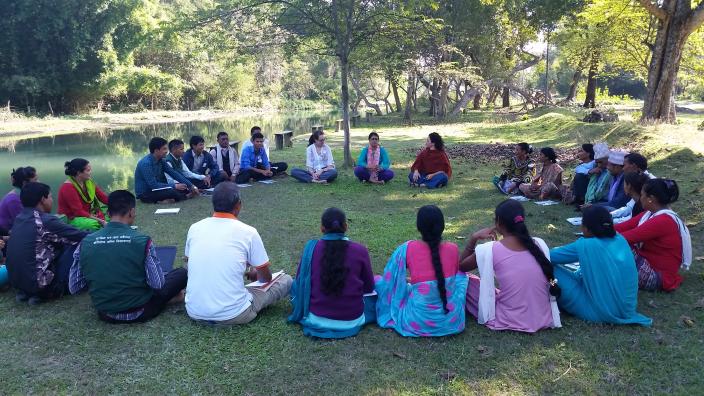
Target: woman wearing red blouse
661	242
431	168
80	199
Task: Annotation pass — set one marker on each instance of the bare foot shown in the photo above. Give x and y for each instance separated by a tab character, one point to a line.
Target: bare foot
179	298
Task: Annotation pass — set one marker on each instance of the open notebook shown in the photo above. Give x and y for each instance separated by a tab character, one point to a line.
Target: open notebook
264	286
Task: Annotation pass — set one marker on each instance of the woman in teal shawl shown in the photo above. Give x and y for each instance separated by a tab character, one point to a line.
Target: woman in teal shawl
603	287
328	294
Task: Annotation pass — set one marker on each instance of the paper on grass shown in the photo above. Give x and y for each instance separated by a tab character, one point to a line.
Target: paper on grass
244	185
546	203
167	211
574	220
519	198
267	181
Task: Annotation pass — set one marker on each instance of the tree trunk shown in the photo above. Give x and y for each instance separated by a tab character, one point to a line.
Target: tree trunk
573	87
672	34
590	100
477	101
468	95
397	99
410	92
506	97
442	100
344	72
362	96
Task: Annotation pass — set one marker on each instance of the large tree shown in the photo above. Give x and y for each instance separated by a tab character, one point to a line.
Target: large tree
678	19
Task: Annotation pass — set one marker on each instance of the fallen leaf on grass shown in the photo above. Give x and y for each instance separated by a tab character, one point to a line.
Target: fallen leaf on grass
400	355
448	375
652	304
551	227
484	350
687	321
699	304
460	237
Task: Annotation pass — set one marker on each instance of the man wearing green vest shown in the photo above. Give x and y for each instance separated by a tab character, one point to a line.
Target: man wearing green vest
120	268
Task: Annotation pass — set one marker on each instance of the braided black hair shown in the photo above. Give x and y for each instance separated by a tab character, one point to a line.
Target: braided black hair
334	272
511	215
431	223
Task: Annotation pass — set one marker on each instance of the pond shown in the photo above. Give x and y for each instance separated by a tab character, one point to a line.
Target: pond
114	154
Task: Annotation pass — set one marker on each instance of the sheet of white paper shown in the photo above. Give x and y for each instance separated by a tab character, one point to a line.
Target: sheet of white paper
167	211
572	266
211	189
267	181
160	188
620	220
519	198
373	293
575	220
244	185
260	284
546	203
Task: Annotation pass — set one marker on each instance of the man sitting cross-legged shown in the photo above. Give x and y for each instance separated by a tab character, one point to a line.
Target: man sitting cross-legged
219	249
276	167
150	184
254	163
199	161
175	160
120	268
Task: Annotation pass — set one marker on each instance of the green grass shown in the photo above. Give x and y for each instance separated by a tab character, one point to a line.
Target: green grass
61	347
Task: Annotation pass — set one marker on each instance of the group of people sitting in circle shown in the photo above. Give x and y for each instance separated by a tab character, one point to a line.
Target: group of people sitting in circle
620	183
427	286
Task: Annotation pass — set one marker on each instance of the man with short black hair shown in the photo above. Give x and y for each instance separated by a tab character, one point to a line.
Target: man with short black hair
226	157
276	167
150	184
199	161
121	270
40	250
219	249
175	160
254	163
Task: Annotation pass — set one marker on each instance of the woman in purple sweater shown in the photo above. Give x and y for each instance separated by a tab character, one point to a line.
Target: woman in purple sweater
10	206
332	278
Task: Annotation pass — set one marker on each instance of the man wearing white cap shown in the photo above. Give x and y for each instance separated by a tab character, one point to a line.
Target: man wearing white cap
599	180
616	196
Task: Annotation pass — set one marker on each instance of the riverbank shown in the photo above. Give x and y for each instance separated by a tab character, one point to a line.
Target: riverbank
16	125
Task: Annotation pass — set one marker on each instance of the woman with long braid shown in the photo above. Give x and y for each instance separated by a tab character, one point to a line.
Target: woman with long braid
432	304
521	264
332	278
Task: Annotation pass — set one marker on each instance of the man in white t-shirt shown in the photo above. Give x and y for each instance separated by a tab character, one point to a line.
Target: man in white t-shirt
219	249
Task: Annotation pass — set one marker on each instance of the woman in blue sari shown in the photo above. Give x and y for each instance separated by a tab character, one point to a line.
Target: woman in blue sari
332	279
433	303
604	286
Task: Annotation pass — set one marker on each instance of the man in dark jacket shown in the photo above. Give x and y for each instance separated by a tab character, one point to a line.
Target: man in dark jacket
40	252
199	161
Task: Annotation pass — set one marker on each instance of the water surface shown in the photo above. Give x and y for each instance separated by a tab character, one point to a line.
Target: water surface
114	154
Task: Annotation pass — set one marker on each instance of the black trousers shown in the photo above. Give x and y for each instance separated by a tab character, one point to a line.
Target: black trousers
278	167
579	187
174	281
161	195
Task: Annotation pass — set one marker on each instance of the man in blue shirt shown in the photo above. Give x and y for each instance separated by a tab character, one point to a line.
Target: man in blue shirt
276	167
254	163
150	182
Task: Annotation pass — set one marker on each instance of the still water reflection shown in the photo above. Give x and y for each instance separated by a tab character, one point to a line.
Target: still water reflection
114	154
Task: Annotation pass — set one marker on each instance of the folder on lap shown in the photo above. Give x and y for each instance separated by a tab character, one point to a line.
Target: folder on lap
167	257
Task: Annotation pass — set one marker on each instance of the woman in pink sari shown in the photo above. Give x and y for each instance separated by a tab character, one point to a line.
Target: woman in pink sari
373	163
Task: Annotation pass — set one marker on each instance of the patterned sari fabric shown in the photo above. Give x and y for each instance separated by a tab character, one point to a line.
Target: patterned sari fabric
415	310
598	187
548	183
515	172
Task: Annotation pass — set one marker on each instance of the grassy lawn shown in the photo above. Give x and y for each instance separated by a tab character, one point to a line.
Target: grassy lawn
61	347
